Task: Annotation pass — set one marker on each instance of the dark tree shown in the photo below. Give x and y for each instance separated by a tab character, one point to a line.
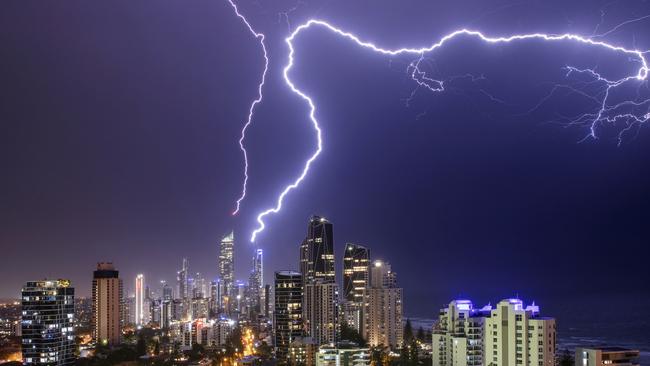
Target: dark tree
141	346
196	353
421	336
566	359
350	334
264	351
408	332
233	342
377	356
156	348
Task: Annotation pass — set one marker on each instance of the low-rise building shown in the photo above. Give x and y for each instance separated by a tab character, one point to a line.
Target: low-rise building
343	354
602	356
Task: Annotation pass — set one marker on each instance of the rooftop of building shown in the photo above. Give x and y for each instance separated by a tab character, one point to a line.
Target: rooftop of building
288	273
611	349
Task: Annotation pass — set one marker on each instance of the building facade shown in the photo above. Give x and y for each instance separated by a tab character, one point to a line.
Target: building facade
255	282
457	339
139	300
227	267
383	308
603	356
107	305
356	272
287	316
182	279
317	251
320	311
517	335
47	324
343	355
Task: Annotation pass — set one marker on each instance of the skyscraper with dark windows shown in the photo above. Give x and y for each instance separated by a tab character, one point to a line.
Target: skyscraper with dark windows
287	316
182	278
48	323
107	305
317	251
167	293
356	278
356	272
216	289
227	267
255	281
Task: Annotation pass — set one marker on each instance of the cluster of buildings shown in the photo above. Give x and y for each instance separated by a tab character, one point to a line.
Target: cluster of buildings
198	311
301	314
194	312
309	306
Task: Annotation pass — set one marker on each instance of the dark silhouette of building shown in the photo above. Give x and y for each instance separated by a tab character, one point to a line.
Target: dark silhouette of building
48	323
317	251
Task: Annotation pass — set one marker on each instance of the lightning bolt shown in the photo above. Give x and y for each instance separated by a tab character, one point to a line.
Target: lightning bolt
420	78
260	37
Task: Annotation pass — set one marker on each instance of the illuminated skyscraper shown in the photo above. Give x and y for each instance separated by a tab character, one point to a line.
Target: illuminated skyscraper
139	300
183	292
258	267
167	293
48	323
215	296
287	316
517	335
107	305
227	266
317	251
356	272
383	308
166	313
255	281
199	288
320	311
356	278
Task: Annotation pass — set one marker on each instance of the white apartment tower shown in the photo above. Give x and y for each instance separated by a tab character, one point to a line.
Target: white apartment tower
458	336
516	335
320	311
383	308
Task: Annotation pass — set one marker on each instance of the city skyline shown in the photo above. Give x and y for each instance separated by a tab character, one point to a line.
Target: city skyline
121	144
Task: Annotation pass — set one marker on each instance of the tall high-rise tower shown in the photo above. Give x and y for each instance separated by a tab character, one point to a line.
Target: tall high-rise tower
320	309
227	265
356	272
287	316
258	266
48	323
139	300
183	292
356	278
167	293
255	281
383	308
107	305
317	251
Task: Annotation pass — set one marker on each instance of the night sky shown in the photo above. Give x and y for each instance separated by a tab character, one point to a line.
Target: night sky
119	124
